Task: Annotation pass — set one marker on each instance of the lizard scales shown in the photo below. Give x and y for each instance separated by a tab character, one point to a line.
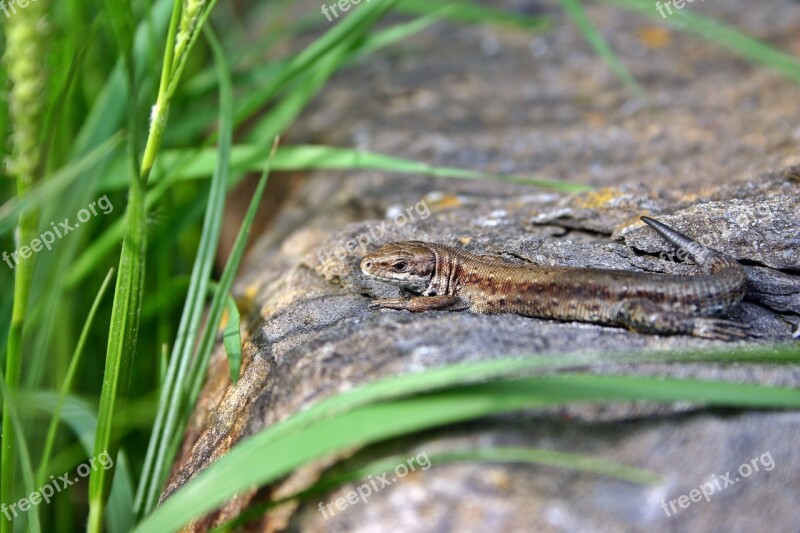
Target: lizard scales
446	278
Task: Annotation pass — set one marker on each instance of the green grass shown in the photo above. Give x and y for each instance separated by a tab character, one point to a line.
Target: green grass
412	403
198	286
525	456
144	102
574	8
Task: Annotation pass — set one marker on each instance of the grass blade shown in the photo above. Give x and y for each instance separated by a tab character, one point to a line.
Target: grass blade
533	456
232	340
171	403
25	62
67	385
208	336
314	157
81	418
591	34
471	13
570	461
127	299
720	34
11	418
121	347
276	451
52	186
225	285
346	31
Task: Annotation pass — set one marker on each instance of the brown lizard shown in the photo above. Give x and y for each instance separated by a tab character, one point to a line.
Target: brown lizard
440	277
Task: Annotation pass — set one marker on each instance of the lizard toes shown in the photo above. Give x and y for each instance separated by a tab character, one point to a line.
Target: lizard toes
389	303
720	329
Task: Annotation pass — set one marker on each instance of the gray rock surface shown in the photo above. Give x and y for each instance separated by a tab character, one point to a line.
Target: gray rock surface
700	448
715	158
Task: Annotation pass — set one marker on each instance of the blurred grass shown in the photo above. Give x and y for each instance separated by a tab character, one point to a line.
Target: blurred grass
108	63
411	403
170	404
524	456
574	8
720	34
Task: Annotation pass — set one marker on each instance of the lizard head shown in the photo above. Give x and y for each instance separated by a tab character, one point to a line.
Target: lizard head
408	264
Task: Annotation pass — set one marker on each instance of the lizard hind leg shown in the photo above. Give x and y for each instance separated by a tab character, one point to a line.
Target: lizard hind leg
646	317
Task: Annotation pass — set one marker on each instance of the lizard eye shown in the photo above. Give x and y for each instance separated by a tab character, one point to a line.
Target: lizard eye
400	266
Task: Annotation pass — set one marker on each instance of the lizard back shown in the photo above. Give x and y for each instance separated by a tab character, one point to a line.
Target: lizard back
494	286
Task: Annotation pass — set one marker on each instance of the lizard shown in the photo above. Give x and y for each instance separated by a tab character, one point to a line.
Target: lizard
439	277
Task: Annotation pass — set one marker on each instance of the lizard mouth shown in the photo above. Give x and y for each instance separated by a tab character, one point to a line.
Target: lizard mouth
382	274
405	280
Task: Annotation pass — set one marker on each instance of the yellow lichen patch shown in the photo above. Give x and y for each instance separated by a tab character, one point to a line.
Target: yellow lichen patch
439	202
250	293
247	301
597	199
633	221
499	479
699	194
465	240
594	118
655	37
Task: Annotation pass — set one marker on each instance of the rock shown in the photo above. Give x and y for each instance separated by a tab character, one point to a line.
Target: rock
700	448
717	159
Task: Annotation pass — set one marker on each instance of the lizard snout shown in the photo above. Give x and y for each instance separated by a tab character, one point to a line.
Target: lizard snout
366	264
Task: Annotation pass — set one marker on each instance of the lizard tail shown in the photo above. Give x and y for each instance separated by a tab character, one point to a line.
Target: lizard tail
675	238
728	280
707	258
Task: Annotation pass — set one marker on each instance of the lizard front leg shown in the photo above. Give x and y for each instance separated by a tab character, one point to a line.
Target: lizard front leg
417	304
